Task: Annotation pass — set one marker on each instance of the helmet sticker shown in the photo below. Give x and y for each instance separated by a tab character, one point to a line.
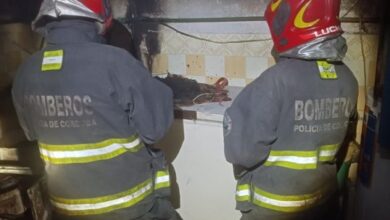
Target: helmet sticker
298	20
295	22
275	5
281	18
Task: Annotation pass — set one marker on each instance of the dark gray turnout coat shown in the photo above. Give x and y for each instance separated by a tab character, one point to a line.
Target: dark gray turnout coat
94	109
283	131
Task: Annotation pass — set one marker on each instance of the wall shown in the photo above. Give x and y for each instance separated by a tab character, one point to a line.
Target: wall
373	194
17	42
161	31
203	186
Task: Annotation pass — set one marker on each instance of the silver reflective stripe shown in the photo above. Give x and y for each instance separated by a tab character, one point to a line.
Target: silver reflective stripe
327	153
293	159
104	204
242	193
162	179
90	152
281	203
285	203
300	160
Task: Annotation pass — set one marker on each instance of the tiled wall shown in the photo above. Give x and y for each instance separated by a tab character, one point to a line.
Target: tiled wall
243	62
354	60
206	61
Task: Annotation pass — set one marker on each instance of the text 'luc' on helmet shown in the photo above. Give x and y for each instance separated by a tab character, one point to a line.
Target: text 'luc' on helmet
99	10
295	22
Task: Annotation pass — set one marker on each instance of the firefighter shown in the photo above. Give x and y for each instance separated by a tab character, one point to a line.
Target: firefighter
284	129
95	112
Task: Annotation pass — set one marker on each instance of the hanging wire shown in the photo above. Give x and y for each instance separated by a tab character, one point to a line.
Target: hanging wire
361	31
213	41
364	60
246	41
210	96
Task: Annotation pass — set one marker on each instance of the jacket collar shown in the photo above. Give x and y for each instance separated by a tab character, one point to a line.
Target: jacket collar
327	48
72	31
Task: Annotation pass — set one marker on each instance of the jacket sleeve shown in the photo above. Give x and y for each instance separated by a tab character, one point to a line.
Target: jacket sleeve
148	102
250	124
18	101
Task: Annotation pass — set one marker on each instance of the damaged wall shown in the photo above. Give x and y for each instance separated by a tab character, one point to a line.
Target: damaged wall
158	27
186	38
17	42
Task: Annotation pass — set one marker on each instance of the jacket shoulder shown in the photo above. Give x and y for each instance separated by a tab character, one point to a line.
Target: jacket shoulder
272	74
117	52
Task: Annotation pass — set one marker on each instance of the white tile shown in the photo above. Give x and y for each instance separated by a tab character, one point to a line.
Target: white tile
255	66
199	79
177	64
162	76
237	82
215	66
209	117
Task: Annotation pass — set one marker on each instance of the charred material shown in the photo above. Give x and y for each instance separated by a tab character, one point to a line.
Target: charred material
187	92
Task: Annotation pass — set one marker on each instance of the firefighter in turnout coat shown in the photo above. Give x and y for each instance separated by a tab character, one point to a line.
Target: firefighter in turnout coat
284	129
95	111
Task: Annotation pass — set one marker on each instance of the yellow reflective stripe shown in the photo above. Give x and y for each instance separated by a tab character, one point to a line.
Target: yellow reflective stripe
85	153
243	193
298	160
285	203
162	179
328	152
100	205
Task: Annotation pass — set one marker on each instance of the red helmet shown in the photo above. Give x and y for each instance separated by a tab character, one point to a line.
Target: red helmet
99	10
102	8
295	22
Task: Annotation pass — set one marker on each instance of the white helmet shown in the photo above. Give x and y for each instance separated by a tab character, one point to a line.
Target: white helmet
99	10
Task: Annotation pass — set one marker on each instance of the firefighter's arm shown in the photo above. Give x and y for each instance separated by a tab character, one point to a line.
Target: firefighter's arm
152	108
250	125
149	102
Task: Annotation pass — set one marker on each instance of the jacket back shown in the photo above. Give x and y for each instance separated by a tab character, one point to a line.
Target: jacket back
286	128
92	108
